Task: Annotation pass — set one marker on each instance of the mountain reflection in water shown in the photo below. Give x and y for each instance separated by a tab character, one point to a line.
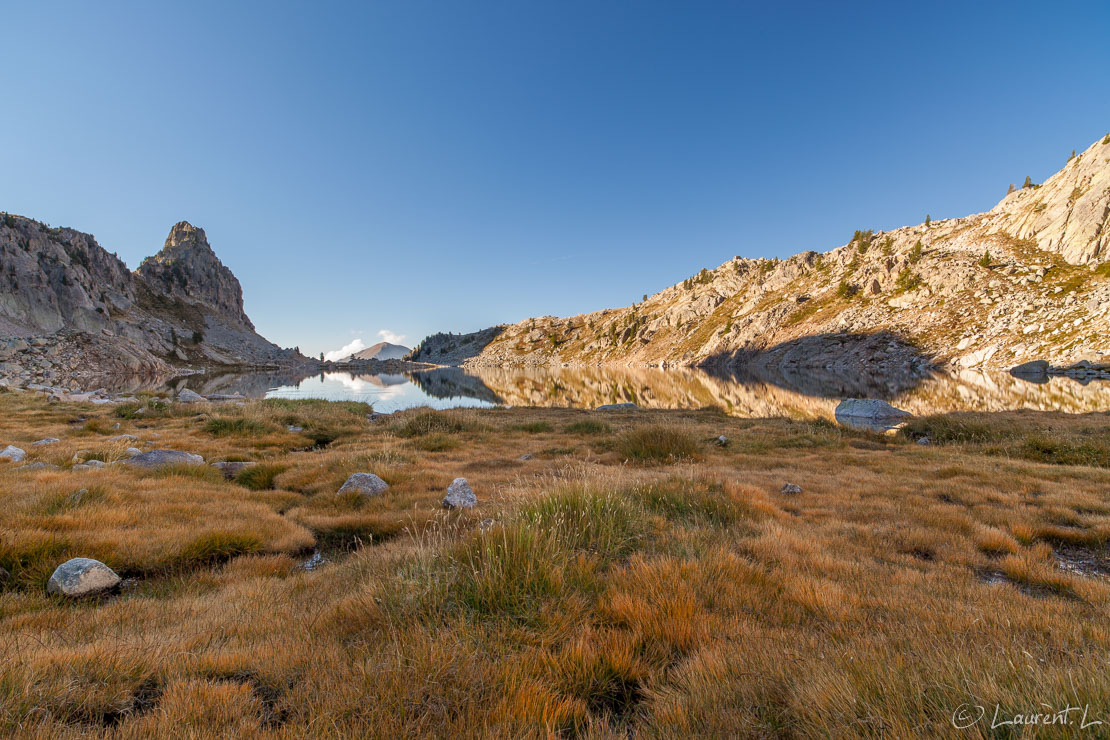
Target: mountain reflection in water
804	393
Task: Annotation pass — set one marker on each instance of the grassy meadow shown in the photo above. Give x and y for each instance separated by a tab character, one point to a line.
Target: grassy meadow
624	574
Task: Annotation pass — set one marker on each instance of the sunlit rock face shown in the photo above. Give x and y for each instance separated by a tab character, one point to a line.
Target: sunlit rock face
990	291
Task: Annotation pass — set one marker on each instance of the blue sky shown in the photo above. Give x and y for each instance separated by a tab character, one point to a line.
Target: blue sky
417	166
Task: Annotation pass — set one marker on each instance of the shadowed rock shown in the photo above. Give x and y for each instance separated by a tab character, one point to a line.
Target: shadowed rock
159	458
869	413
366	484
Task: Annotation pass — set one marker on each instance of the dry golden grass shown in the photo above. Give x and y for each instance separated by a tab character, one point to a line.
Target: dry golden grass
593	593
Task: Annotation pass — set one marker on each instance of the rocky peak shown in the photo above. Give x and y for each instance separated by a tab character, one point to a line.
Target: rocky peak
188	268
1068	214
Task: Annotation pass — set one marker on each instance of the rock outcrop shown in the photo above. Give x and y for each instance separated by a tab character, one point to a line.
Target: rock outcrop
1029	280
70	309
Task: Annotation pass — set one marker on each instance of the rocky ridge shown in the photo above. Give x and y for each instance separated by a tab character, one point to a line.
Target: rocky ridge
1028	280
69	310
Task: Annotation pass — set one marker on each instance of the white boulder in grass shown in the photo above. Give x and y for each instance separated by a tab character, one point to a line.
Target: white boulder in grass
366	484
188	396
460	495
13	453
869	413
82	577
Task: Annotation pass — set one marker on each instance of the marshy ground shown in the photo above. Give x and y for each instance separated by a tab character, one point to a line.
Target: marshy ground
629	577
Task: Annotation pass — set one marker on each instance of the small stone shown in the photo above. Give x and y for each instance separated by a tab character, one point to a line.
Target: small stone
485	524
924	441
460	495
46	441
616	407
366	484
527	456
13	453
82	577
187	396
134	452
722	441
123	438
791	488
294	429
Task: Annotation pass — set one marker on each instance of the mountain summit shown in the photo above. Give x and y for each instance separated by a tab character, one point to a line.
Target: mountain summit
88	314
188	269
1028	280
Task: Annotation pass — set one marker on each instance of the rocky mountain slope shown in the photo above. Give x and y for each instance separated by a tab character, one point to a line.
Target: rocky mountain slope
379	351
68	308
1028	280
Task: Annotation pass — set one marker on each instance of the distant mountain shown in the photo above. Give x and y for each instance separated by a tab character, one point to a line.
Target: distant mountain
1028	280
68	307
380	351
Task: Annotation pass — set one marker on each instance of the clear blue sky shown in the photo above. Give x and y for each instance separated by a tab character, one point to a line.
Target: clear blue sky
417	166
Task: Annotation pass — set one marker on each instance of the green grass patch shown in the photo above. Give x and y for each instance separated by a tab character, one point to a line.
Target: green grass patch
260	477
657	444
588	427
237	426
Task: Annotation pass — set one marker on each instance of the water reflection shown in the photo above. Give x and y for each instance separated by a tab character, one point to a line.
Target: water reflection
805	393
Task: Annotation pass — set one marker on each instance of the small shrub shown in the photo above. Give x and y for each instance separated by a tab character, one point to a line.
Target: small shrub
236	427
947	428
915	253
657	444
216	547
846	290
985	260
260	477
435	443
534	427
588	426
907	280
429	422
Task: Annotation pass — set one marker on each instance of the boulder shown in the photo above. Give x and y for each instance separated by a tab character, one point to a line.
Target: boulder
460	495
158	458
90	465
187	396
232	469
134	452
82	577
46	441
869	413
616	407
13	453
1035	369
791	488
366	484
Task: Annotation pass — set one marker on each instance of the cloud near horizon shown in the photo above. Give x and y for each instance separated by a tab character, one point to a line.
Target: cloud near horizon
357	345
345	351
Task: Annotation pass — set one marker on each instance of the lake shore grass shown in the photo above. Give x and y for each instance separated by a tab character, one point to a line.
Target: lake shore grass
625	574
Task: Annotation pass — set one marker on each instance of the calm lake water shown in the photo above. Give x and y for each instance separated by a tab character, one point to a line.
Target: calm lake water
802	394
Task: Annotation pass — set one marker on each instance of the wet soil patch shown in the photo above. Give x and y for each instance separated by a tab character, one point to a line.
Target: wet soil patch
1089	562
998	578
